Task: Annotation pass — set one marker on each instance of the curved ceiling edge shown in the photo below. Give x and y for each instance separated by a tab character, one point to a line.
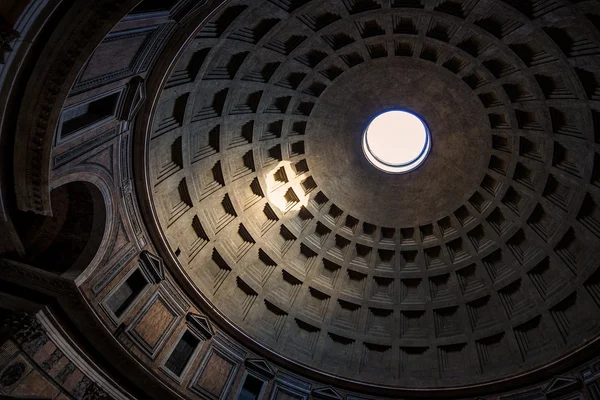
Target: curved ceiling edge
156	82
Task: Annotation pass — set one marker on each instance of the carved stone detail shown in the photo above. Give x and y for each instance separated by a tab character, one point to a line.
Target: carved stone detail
153	265
201	324
134	97
260	367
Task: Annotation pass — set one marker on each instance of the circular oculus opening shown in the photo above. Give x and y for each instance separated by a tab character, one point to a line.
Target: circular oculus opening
396	141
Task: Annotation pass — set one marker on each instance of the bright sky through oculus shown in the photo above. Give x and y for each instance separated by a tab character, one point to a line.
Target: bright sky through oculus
396	141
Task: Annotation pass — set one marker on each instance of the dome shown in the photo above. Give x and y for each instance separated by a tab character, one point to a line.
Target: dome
204	182
428	278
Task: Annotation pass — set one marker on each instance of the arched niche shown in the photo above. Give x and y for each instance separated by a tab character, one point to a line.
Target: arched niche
69	45
68	240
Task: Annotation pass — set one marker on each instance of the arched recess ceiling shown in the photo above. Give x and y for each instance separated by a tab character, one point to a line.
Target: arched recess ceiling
477	266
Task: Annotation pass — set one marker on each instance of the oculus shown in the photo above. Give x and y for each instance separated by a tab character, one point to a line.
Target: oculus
396	141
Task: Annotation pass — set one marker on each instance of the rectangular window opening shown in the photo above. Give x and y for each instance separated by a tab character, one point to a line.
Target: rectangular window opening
182	353
84	115
251	388
126	294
